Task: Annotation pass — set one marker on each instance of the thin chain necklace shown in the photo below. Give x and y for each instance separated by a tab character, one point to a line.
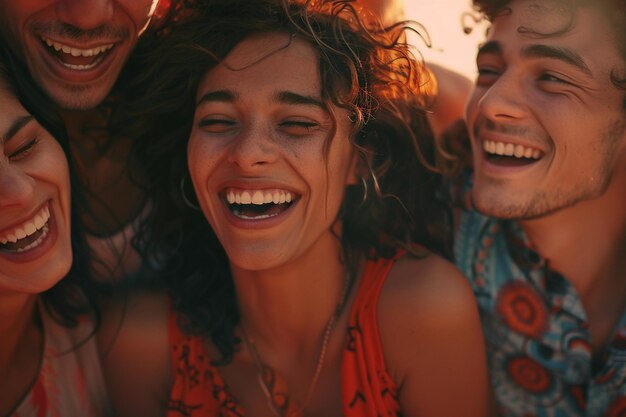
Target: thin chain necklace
262	369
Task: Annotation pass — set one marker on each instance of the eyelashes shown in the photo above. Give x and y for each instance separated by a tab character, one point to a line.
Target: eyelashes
24	150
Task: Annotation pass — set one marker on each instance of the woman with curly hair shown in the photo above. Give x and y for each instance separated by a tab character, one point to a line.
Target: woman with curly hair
302	275
49	361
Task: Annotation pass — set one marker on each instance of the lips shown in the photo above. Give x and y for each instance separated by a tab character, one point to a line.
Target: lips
28	235
258	204
77	58
77	64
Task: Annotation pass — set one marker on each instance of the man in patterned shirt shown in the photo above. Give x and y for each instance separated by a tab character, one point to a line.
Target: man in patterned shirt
544	244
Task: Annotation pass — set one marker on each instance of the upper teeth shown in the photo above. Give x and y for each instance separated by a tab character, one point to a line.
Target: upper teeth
259	196
76	51
27	228
510	149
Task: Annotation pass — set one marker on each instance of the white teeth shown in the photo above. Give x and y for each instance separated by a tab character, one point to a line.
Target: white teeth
259	197
510	149
38	222
37	242
66	49
245	198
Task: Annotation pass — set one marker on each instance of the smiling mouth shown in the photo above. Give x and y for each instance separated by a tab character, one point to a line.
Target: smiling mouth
258	204
79	59
28	235
510	154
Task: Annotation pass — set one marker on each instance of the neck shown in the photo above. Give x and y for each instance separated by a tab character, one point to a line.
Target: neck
586	242
291	305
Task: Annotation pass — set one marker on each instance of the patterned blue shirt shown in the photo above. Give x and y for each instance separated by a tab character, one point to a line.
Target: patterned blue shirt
538	341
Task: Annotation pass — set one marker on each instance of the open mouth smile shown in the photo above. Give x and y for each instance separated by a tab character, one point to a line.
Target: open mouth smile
258	204
28	235
79	59
506	153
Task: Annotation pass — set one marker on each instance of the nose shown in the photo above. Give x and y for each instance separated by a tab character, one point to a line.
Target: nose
252	148
85	14
16	188
503	100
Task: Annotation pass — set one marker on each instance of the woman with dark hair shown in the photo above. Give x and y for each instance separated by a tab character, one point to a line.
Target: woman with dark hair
300	282
49	361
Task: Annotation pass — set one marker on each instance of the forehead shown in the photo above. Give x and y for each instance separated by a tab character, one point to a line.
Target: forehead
268	60
584	29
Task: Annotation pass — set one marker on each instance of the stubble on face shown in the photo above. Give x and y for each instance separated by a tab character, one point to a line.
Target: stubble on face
543	203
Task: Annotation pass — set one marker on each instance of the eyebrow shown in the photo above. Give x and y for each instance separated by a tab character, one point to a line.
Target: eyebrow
15	127
491	47
225	96
287	97
562	54
541	51
283	97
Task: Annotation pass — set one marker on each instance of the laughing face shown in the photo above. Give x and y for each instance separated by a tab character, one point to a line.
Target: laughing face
257	156
35	247
546	123
74	50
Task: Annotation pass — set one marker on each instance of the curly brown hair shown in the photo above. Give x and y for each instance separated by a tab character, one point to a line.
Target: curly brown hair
366	69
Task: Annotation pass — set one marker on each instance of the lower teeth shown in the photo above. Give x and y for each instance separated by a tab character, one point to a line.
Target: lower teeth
259	217
81	67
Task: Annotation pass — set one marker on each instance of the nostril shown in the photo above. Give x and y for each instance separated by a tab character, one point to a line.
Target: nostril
86	14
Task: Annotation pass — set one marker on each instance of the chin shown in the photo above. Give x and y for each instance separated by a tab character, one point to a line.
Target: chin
77	97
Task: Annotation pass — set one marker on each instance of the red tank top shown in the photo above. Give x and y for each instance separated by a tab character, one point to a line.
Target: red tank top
198	389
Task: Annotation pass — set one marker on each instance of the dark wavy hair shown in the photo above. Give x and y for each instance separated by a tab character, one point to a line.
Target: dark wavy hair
75	294
613	10
367	70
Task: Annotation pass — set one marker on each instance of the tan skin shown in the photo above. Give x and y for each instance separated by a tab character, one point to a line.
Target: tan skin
251	140
33	176
571	202
114	24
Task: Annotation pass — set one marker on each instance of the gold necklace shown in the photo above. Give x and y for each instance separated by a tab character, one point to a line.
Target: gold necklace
265	373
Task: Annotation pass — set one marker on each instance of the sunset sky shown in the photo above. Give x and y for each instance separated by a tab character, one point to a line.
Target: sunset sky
450	46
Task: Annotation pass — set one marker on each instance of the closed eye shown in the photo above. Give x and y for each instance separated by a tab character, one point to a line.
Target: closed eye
486	76
298	127
23	151
552	78
216	125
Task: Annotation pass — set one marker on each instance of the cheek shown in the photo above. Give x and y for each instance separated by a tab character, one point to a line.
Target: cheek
471	106
138	10
52	166
200	161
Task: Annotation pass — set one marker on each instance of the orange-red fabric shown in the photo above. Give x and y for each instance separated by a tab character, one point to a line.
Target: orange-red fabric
367	388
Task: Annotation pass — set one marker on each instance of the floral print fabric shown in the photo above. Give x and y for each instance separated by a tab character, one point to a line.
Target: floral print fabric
367	388
538	341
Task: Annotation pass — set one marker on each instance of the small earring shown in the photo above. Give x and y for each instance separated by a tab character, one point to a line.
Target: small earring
187	201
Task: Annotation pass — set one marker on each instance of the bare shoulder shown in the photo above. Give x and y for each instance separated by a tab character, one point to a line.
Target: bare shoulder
431	286
432	339
134	348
